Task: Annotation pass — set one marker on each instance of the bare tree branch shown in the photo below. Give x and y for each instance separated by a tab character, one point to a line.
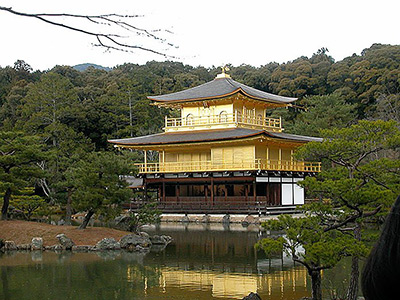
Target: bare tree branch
109	41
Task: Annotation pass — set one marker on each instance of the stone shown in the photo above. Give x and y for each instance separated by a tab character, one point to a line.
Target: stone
108	244
82	248
61	222
37	244
130	248
24	247
205	219
226	219
252	296
134	239
185	219
160	239
53	223
144	234
10	246
57	247
250	219
245	223
139	248
65	241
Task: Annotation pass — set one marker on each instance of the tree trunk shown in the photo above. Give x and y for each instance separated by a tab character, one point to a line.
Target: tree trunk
86	219
316	284
68	209
352	290
6	203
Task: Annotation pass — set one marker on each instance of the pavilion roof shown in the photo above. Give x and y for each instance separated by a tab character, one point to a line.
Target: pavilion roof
219	88
207	136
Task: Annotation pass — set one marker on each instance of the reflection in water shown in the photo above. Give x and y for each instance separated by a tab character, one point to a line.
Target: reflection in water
223	262
228	285
203	262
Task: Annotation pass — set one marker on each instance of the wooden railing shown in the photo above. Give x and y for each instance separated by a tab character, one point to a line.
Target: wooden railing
205	166
223	119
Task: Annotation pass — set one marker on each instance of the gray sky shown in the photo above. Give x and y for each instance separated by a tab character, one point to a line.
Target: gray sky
207	32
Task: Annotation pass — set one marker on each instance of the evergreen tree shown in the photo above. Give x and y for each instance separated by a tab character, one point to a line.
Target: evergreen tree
99	186
361	182
312	244
19	156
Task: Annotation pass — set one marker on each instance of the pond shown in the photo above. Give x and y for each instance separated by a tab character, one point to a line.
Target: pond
203	262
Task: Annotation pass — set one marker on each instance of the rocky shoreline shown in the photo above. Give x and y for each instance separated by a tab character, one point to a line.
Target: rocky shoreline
141	242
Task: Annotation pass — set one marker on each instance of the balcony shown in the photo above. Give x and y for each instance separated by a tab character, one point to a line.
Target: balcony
223	120
208	166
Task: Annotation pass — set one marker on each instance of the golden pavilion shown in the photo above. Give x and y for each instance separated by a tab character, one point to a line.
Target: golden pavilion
223	154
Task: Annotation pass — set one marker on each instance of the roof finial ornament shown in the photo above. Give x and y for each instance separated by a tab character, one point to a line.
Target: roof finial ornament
224	69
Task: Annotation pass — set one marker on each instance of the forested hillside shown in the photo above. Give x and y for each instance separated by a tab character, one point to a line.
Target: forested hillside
96	104
73	113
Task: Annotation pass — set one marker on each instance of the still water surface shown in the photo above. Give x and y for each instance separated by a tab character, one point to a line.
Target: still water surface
203	262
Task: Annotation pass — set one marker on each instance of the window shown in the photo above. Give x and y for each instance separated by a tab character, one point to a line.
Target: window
223	117
189	119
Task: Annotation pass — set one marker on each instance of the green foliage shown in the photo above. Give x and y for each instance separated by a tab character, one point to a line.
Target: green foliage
98	183
349	146
29	204
310	242
323	112
19	156
360	184
303	76
361	179
146	214
271	246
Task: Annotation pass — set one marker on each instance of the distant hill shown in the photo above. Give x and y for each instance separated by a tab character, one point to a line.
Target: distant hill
83	67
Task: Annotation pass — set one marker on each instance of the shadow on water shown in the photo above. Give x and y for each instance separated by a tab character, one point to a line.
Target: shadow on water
202	262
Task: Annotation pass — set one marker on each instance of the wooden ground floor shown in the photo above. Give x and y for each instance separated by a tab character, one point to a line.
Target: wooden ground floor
235	192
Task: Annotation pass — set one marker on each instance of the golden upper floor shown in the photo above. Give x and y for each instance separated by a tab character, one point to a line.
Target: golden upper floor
222	103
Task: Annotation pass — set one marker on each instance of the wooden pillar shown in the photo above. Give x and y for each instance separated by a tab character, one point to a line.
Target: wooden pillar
163	191
280	158
291	161
212	191
225	192
162	162
246	192
206	193
178	190
254	191
264	119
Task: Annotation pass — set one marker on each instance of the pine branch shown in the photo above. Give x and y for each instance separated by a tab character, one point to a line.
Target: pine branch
110	41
